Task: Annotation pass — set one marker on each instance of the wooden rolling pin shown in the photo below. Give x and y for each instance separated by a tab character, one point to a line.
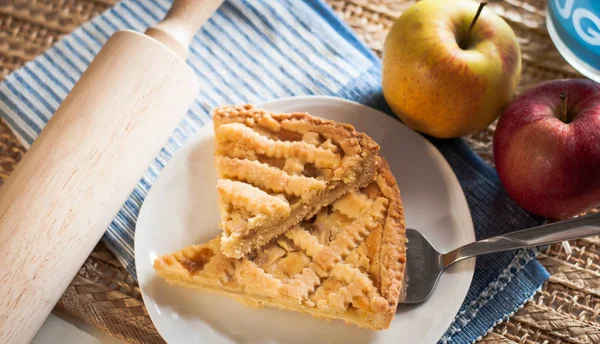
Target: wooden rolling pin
78	173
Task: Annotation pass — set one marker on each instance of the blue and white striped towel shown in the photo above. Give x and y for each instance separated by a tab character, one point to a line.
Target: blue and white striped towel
256	50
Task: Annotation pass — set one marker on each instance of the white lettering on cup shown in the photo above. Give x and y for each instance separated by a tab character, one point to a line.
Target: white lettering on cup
565	12
592	36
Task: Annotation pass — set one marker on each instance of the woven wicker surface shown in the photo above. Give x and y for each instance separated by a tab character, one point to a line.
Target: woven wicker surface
567	310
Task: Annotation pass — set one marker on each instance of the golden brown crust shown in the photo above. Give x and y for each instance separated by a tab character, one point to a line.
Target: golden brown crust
393	247
322	160
346	263
341	132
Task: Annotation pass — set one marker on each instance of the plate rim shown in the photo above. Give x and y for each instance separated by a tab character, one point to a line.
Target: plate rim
468	265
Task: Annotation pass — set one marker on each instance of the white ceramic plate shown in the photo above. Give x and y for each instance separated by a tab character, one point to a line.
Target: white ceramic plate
181	209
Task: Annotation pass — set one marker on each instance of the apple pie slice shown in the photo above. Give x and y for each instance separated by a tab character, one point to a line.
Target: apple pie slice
346	263
276	169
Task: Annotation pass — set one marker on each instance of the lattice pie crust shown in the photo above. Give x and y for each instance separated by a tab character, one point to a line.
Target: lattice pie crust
346	263
276	169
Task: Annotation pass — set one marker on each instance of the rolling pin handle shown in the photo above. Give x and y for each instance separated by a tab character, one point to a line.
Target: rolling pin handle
182	22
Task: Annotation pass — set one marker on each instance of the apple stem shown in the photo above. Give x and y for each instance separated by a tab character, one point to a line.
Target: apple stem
466	40
563	107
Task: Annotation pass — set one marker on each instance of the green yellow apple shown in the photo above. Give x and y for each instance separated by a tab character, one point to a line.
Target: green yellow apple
444	79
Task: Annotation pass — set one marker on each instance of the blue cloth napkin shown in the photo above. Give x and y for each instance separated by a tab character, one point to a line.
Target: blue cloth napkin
253	51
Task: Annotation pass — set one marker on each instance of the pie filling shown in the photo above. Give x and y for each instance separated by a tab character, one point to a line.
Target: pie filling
236	245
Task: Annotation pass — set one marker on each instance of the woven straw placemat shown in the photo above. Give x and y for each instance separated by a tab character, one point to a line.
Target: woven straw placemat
567	310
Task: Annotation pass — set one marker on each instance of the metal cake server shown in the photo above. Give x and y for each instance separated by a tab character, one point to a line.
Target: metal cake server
425	264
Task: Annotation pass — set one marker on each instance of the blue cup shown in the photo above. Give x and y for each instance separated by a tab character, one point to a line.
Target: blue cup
574	26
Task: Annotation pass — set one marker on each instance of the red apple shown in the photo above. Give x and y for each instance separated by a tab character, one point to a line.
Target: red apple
547	148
